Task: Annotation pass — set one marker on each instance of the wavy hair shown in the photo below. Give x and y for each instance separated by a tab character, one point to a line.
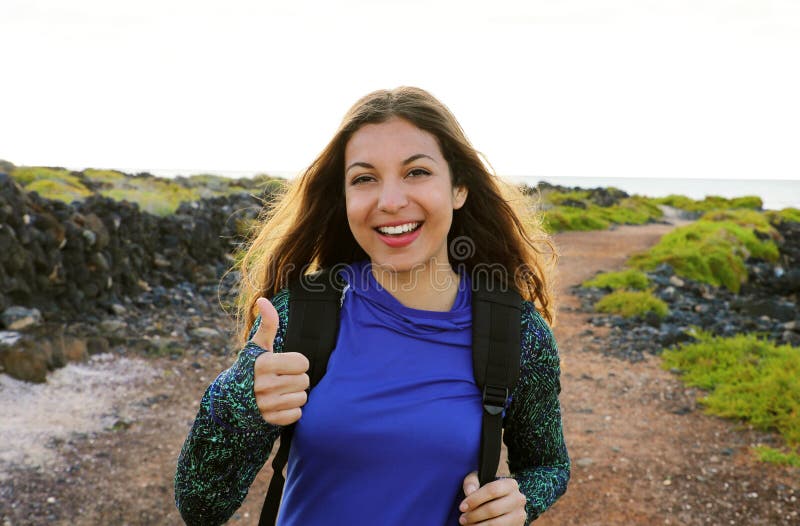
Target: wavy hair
306	228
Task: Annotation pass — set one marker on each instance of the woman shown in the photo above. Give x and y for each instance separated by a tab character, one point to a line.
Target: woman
400	203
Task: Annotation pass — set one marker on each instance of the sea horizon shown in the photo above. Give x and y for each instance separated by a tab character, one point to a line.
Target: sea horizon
776	194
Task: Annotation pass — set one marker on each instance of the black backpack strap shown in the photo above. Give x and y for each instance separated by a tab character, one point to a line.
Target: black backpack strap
496	313
314	302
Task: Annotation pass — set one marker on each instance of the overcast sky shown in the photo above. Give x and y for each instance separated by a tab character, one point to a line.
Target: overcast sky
625	88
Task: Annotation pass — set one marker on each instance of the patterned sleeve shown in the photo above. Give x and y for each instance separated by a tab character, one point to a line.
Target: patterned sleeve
229	441
537	454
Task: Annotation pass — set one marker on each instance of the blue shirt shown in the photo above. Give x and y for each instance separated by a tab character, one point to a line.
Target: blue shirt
393	427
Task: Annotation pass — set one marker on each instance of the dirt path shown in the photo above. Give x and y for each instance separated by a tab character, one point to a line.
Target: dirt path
642	453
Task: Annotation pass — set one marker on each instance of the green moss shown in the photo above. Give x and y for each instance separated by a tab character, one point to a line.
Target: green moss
104	176
557	198
711	202
58	190
791	215
634	210
750	219
776	456
155	196
26	175
711	252
564	218
631	303
630	279
746	377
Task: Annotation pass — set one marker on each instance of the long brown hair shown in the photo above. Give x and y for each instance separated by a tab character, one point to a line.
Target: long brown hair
306	227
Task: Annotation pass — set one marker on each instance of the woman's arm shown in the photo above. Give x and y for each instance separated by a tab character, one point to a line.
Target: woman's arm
537	454
229	441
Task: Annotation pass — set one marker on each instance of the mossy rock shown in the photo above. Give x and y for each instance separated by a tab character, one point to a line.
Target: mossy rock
59	190
712	252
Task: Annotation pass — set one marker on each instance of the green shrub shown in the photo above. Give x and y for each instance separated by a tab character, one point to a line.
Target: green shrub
711	252
58	190
631	303
746	377
630	279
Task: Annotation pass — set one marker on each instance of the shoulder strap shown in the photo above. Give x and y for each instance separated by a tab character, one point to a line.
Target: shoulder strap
496	313
313	325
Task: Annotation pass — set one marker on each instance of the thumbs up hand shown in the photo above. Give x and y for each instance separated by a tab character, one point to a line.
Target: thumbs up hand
280	378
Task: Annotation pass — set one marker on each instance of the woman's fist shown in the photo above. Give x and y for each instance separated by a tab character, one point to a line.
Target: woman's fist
280	379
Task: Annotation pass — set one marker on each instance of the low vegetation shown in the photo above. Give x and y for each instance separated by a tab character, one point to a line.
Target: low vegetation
157	195
632	303
711	202
711	251
747	378
573	211
630	279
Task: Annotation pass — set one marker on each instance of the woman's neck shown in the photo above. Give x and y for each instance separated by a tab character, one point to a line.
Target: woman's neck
432	287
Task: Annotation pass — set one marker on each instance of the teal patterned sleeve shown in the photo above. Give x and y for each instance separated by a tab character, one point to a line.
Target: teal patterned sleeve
537	454
229	441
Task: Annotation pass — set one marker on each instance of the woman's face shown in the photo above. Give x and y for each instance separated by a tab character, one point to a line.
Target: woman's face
399	195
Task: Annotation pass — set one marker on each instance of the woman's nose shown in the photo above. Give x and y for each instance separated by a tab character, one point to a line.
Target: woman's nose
392	198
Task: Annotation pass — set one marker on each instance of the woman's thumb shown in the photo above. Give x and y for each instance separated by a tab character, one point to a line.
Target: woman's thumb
265	334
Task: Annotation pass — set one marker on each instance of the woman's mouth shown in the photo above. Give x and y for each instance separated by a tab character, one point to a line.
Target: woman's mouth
399	235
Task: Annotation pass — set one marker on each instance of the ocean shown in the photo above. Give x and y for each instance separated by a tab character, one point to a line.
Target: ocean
776	194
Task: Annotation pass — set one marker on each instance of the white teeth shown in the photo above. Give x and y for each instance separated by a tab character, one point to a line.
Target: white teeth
399	229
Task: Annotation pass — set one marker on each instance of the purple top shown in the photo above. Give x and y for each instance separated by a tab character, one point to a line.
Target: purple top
393	427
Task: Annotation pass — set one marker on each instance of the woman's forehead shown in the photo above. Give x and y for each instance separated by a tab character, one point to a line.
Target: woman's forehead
394	137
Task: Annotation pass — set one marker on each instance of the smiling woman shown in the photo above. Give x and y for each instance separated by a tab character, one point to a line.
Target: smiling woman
403	213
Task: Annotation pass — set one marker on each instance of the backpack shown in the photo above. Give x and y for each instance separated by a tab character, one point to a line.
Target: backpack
314	303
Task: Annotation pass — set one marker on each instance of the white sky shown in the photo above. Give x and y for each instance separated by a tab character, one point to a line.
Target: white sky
625	88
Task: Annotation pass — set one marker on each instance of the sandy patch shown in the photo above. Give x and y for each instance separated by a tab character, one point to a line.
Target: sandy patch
78	398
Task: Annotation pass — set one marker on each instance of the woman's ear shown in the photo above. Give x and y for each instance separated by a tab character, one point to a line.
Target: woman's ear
459	196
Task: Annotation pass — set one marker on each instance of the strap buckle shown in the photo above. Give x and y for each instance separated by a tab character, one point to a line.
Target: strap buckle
494	399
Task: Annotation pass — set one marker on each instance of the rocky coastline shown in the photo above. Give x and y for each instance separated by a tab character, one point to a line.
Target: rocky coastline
767	304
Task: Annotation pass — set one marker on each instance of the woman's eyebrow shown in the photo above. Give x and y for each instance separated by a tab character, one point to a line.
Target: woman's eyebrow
407	161
417	156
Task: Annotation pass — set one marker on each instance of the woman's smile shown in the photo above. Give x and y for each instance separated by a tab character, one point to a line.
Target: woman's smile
399	195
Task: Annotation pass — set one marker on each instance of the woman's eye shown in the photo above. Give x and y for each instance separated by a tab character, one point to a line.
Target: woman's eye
360	179
416	172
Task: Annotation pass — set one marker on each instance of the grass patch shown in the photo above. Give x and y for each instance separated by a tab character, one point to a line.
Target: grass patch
59	190
51	183
109	177
708	251
563	218
156	197
788	215
630	279
746	377
575	211
711	202
629	304
776	456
